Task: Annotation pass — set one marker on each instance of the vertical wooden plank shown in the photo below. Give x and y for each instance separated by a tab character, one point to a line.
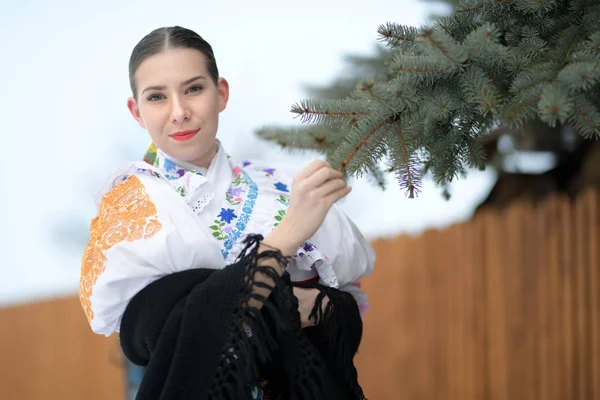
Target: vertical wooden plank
555	387
593	240
567	298
427	344
479	307
563	322
451	267
410	323
530	290
519	276
497	367
373	355
11	381
581	306
461	384
444	341
457	271
543	227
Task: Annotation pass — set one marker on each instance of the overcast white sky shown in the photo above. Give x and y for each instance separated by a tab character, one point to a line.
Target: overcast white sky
66	126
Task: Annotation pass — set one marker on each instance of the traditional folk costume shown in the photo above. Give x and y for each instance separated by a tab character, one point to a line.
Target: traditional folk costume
170	266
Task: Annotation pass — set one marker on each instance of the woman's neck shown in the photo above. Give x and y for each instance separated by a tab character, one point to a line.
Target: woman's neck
206	159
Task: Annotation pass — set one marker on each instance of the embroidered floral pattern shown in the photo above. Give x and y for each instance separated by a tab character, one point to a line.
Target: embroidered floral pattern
308	247
240	225
219	232
233	195
227	215
281	187
269	171
279	217
223	226
284	200
170	177
150	156
126	213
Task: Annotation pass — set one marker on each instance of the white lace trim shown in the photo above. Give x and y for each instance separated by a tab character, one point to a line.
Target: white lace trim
202	202
198	191
314	259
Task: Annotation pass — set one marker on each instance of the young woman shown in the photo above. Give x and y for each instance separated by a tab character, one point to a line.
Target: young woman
226	281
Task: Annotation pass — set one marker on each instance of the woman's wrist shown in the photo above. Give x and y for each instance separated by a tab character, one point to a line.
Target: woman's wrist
281	238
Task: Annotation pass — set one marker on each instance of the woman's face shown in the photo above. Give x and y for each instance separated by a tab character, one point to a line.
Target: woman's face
179	104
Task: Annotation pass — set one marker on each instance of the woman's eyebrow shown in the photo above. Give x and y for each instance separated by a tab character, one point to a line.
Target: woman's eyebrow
182	84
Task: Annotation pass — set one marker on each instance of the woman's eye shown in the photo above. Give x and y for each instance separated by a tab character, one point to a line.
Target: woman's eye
195	89
154	97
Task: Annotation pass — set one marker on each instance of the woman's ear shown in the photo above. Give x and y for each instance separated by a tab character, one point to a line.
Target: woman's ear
135	111
223	88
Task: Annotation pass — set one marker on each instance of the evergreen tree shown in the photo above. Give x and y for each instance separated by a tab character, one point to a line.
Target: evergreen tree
511	64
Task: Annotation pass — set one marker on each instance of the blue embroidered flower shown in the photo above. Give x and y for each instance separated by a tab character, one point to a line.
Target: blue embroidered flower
226	215
180	172
281	187
169	165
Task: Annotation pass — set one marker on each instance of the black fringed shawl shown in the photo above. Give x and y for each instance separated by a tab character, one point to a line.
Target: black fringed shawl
199	339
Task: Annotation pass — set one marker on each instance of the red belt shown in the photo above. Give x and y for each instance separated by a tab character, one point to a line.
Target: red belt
313	280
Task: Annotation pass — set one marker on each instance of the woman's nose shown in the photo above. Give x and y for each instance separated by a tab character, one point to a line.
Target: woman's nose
179	110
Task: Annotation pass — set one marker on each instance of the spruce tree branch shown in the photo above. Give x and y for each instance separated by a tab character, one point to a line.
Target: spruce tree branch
409	174
591	4
421	70
295	146
515	63
480	6
481	90
429	36
313	115
513	115
403	38
585	117
395	34
361	143
474	8
369	89
535	84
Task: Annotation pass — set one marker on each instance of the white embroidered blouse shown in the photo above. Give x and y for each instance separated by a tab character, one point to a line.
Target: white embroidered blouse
173	216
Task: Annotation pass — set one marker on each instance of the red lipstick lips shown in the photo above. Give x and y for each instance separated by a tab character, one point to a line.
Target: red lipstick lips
184	135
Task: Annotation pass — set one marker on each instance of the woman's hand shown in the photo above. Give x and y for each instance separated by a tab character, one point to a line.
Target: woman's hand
314	190
306	302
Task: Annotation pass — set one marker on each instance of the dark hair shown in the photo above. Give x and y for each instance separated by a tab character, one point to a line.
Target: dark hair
174	37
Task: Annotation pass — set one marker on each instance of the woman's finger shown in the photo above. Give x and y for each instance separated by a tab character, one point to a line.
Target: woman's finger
321	176
338	194
332	185
311	168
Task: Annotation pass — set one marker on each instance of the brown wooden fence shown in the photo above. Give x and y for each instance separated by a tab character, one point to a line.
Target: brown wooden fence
503	307
48	352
